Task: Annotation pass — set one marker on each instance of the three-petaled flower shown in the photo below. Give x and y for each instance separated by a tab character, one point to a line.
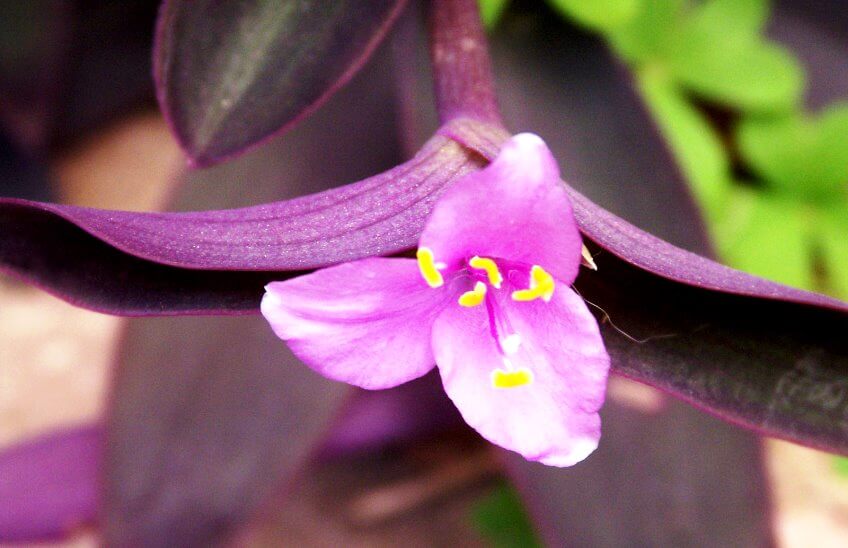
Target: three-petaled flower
488	300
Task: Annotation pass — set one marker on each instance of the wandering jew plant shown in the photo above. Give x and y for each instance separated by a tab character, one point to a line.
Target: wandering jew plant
488	301
229	75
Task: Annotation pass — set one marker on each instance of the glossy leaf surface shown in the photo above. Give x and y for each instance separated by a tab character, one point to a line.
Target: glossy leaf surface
231	74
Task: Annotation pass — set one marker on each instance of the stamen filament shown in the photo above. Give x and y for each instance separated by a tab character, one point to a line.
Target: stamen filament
429	269
490	267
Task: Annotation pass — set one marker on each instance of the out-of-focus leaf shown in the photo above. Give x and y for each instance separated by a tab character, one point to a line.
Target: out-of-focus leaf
676	477
767	235
805	157
840	466
734	17
491	11
501	518
650	34
33	38
739	70
600	14
22	176
231	74
715	50
48	486
832	239
817	33
208	418
698	148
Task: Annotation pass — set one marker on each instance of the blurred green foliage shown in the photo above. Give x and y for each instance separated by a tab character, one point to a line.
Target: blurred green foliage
501	519
770	178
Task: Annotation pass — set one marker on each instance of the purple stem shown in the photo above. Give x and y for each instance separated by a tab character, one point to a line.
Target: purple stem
462	70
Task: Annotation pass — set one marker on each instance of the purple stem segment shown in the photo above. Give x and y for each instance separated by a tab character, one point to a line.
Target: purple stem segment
462	71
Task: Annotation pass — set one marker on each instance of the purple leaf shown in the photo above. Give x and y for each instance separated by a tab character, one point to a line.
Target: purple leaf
817	32
673	478
230	75
151	263
208	417
48	486
55	57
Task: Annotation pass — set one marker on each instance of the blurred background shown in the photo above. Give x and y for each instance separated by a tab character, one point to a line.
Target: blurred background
750	98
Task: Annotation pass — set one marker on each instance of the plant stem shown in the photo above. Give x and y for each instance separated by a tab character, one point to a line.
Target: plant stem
462	71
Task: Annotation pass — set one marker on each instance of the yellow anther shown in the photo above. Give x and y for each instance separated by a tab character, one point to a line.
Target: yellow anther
428	268
541	286
473	297
511	379
482	263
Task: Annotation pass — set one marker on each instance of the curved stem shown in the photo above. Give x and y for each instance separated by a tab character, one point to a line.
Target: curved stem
462	71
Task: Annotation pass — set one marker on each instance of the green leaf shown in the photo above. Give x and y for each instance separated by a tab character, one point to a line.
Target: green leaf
767	236
840	466
696	146
833	246
501	518
738	70
598	14
647	37
807	157
491	11
733	17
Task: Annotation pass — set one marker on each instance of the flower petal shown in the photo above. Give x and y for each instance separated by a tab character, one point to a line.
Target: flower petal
554	419
366	323
516	208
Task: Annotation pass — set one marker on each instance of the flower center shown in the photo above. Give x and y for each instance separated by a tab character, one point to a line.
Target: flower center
486	273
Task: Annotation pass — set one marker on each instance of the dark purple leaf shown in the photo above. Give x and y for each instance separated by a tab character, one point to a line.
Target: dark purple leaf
817	32
676	477
231	74
149	263
22	176
33	37
108	70
770	358
55	57
374	419
208	417
48	486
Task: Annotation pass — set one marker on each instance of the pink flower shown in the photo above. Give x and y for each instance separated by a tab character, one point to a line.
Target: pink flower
488	301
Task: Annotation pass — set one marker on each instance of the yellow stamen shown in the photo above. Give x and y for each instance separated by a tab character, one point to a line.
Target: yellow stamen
541	286
482	263
511	379
428	267
473	297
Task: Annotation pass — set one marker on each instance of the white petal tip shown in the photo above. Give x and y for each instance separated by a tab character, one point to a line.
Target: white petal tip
581	449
